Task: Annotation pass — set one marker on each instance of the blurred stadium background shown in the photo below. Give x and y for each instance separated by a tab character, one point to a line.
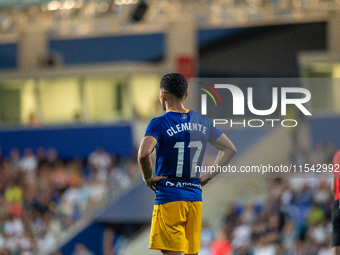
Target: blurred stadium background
79	81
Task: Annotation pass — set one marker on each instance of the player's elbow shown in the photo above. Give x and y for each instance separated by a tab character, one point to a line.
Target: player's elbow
143	154
232	150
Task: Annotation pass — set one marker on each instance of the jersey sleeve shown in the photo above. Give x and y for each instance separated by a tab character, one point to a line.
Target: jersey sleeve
214	133
154	129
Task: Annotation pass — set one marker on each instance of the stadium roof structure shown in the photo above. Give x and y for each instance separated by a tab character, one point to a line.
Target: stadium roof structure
88	18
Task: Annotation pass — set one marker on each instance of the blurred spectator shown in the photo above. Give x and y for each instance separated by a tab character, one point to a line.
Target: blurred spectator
323	194
81	249
28	164
244	250
241	234
326	249
14	227
45	241
9	243
57	253
264	246
100	159
220	245
25	242
77	117
15	158
13	193
98	190
231	217
99	162
206	238
272	231
304	197
33	120
41	156
297	249
131	168
317	233
42	203
59	177
248	214
289	235
118	177
316	215
51	158
286	196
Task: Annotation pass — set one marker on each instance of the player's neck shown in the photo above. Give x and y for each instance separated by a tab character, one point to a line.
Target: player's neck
175	107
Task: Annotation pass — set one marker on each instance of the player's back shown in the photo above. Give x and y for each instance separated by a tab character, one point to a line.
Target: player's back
182	139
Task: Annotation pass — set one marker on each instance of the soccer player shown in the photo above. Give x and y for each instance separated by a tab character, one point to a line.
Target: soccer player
336	206
180	137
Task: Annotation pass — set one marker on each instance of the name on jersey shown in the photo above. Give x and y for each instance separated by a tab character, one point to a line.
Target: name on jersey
186	126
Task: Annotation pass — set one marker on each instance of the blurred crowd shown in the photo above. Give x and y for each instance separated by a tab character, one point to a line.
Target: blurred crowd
294	219
42	195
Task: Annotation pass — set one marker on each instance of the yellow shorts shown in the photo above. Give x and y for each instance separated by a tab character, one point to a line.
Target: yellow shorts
176	226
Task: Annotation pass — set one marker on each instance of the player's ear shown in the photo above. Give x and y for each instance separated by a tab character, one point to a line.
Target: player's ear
186	95
163	95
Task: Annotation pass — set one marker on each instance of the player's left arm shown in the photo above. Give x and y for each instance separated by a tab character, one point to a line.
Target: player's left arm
144	161
227	151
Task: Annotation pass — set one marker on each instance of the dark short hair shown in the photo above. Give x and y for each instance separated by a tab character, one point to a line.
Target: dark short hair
175	84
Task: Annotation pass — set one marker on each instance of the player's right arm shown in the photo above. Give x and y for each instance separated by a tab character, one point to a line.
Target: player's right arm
144	161
144	156
227	151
